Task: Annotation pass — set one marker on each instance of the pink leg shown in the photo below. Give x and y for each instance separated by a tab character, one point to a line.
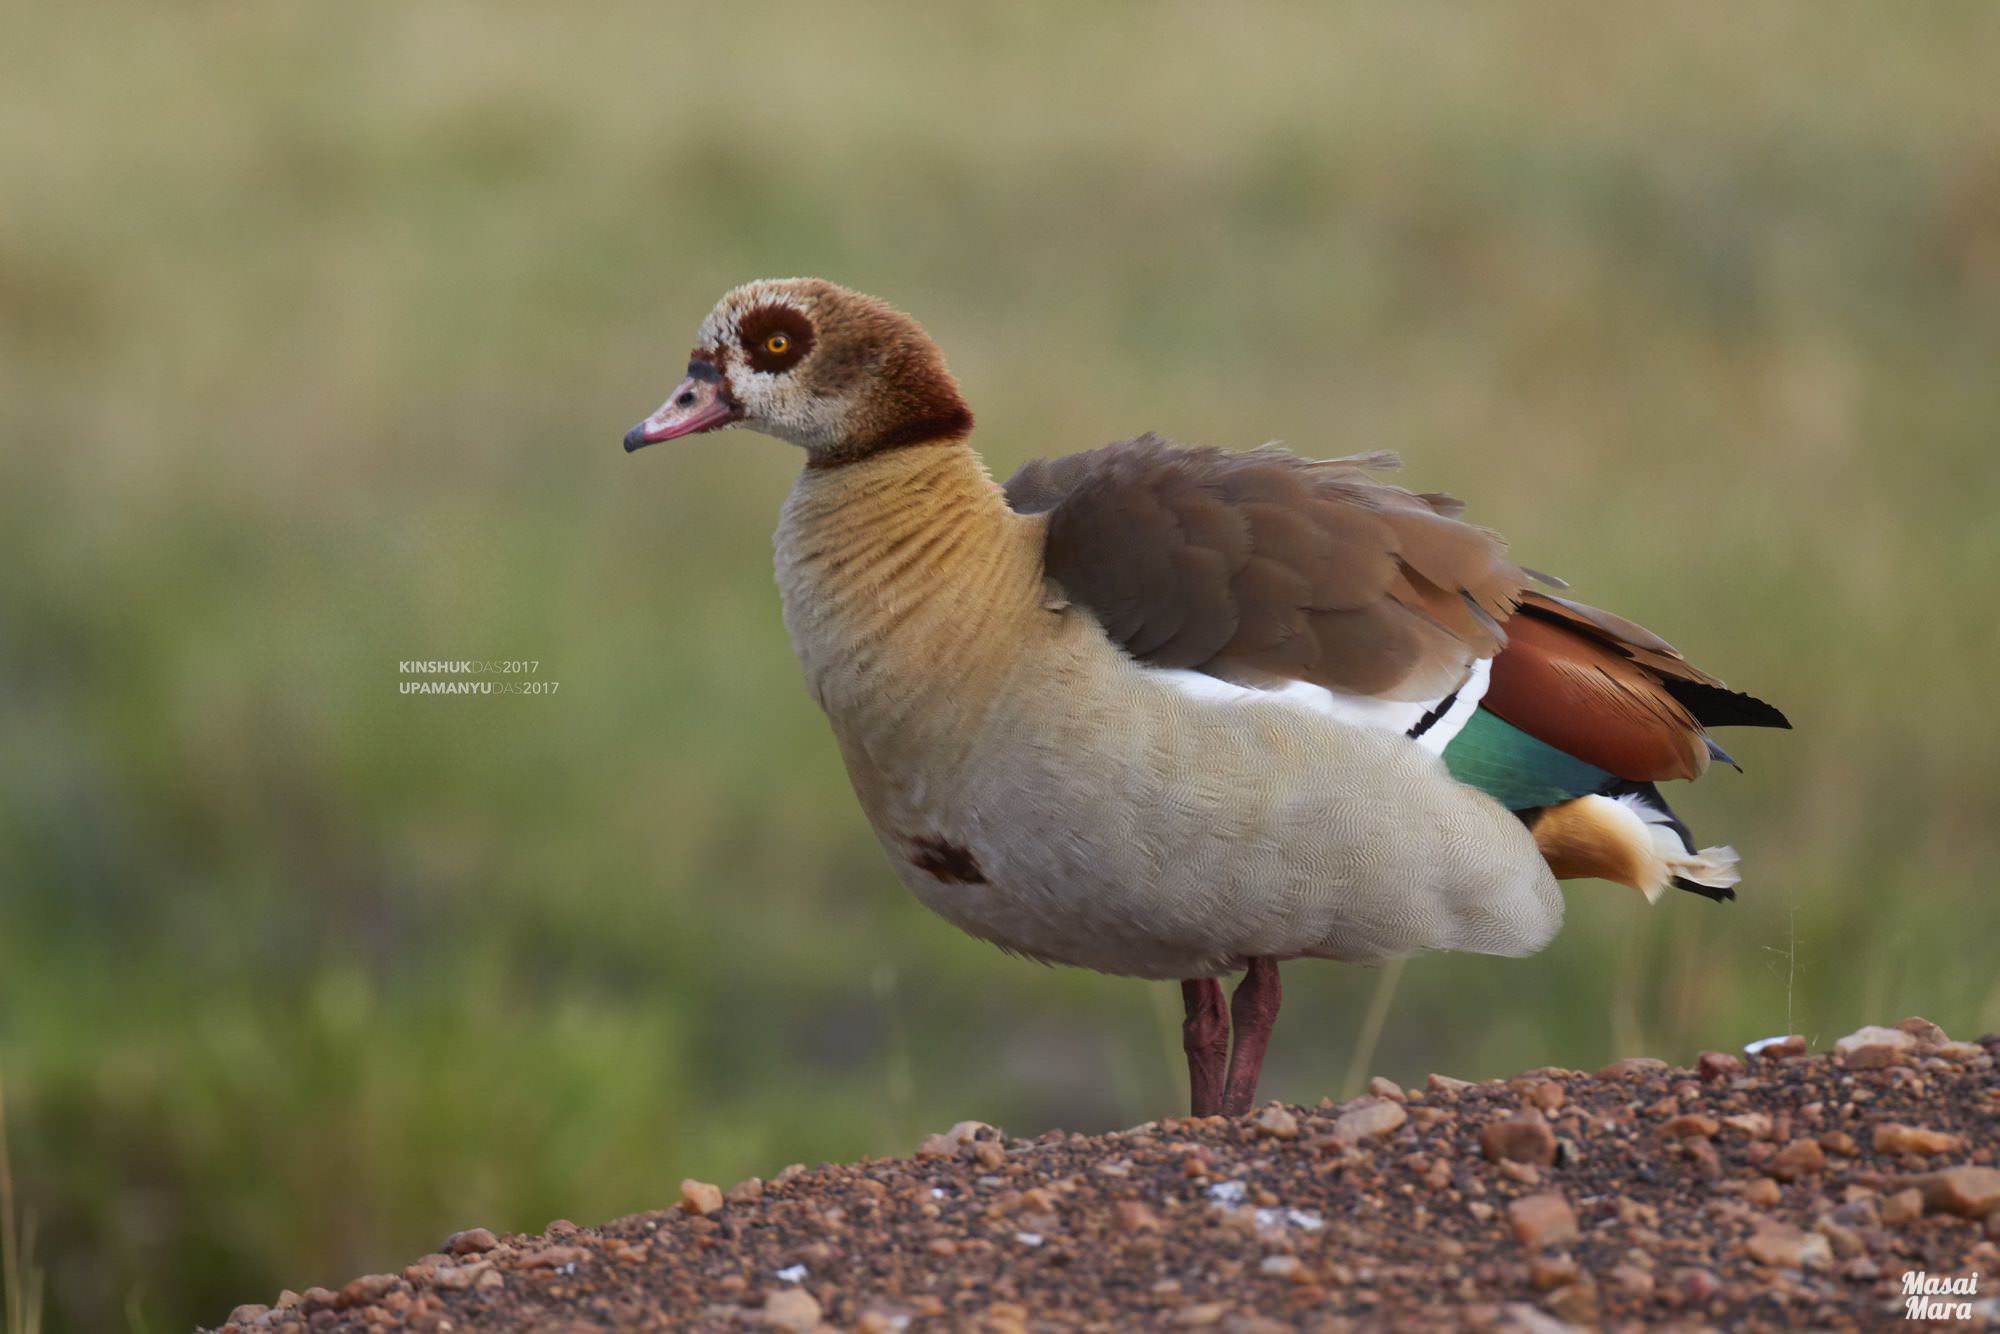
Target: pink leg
1205	1036
1254	1010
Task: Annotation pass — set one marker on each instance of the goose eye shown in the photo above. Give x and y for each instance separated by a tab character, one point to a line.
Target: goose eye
777	344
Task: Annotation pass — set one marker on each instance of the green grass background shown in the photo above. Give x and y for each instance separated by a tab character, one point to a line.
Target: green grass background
319	327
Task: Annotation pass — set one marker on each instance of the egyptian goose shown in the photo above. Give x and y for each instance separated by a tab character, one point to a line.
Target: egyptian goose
1171	713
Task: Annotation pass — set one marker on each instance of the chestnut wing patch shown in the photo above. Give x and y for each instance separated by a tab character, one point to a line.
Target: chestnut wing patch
1613	694
1261	567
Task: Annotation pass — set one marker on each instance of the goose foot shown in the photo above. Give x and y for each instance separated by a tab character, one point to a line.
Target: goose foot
1205	1038
1253	1010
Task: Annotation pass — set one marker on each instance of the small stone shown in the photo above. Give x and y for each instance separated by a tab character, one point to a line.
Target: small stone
1799	1158
941	1247
1371	1120
365	1290
1964	1053
1552	1271
790	1309
1631	1067
1386	1088
1840	1142
1696	1285
1524	1137
1751	1125
1783	1246
1923	1030
1687	1127
788	1174
700	1197
1632	1280
1713	1065
553	1257
1969	1192
1763	1192
1874	1036
1894	1137
1877	1056
1280	1266
1576	1303
989	1155
1134	1216
1203	1314
247	1313
1276	1122
1846	1242
472	1241
1525	1173
1905	1206
1542	1220
1548	1095
1446	1084
461	1277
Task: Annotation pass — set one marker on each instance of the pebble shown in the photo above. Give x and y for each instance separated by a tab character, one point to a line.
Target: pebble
1369	1121
1524	1137
1874	1036
1714	1065
700	1197
472	1241
1969	1192
1799	1158
1905	1206
366	1289
1386	1088
1894	1137
790	1309
747	1191
1785	1247
1690	1125
1542	1220
1763	1192
460	1277
1276	1122
1923	1030
1751	1125
1552	1271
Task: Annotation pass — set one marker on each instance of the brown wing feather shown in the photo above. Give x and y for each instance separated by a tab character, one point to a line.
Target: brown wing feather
1264	565
1583	696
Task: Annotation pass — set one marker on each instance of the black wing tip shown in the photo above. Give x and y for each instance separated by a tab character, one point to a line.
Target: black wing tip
1718	893
1719	706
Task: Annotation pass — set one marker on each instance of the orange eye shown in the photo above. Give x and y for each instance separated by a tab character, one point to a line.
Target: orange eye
778	344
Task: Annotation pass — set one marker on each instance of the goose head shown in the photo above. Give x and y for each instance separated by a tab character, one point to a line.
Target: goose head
840	374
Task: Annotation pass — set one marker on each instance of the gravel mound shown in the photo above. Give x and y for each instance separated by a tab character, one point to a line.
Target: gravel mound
1773	1191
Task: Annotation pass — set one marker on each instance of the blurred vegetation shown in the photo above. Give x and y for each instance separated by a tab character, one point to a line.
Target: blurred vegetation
319	327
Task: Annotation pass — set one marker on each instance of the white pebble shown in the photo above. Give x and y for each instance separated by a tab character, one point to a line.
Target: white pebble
1028	1238
1227	1192
792	1273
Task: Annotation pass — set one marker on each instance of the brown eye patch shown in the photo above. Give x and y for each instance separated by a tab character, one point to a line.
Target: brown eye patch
774	338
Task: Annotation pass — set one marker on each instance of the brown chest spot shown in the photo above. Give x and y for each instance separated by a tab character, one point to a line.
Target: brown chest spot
949	863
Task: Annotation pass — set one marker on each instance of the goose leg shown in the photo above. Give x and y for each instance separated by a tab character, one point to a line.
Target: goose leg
1205	1037
1254	1009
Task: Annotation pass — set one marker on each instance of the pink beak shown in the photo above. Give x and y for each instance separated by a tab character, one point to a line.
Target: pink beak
700	403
